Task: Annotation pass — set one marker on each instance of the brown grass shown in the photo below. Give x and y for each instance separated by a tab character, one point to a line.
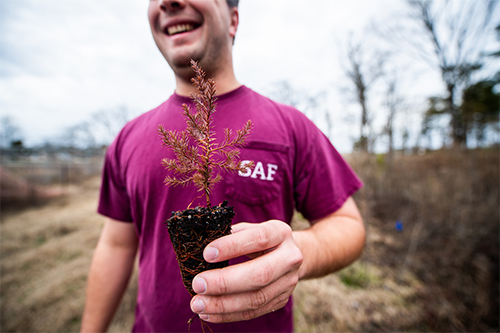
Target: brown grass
448	202
46	253
439	274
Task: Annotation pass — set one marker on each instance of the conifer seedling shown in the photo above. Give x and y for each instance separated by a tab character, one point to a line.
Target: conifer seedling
199	159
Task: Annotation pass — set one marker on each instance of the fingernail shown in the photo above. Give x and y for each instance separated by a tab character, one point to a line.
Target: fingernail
199	285
204	317
198	306
211	253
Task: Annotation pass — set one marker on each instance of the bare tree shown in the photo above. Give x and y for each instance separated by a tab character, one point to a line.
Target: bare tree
107	123
9	131
79	136
363	70
100	129
453	37
394	102
312	105
283	92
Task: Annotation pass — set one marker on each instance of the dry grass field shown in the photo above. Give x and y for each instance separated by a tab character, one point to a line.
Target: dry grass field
439	273
46	253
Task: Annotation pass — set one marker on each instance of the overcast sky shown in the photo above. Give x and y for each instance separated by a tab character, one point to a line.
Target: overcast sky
62	60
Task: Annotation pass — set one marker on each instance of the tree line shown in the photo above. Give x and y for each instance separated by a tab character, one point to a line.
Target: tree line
453	38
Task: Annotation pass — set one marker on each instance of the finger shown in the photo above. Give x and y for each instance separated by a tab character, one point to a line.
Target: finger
248	240
245	315
251	275
258	254
253	300
242	226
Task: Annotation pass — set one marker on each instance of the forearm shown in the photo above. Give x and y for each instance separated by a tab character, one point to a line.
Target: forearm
108	278
331	243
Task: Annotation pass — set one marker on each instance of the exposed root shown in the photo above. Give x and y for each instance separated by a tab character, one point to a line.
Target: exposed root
202	322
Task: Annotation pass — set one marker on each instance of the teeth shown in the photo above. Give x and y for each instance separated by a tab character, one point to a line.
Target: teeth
176	29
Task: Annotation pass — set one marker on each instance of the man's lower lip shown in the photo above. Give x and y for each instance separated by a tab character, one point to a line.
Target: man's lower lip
180	33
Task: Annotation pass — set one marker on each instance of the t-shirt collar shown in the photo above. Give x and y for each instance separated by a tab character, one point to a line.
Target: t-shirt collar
220	98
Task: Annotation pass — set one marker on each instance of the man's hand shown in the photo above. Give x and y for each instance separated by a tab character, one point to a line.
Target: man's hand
253	288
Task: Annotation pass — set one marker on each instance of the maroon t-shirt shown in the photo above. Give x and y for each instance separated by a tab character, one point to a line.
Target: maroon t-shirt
296	167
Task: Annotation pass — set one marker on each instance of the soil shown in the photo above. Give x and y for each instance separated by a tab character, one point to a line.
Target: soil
191	231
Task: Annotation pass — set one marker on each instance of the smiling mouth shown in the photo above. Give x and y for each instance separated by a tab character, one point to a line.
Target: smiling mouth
180	28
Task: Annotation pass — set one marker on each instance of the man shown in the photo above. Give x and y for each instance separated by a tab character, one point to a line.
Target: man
295	167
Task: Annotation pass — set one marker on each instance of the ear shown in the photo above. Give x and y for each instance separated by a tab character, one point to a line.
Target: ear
235	20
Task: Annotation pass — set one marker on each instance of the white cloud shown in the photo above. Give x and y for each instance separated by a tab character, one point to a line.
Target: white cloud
61	61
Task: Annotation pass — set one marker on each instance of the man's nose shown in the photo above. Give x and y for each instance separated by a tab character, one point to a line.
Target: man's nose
172	5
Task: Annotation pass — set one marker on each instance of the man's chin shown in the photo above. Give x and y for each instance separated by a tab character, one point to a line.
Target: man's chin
183	61
181	64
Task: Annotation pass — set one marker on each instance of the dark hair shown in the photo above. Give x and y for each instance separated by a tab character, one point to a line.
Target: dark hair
232	3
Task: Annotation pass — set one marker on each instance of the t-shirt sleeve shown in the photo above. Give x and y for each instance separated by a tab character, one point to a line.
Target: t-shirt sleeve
323	179
113	200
